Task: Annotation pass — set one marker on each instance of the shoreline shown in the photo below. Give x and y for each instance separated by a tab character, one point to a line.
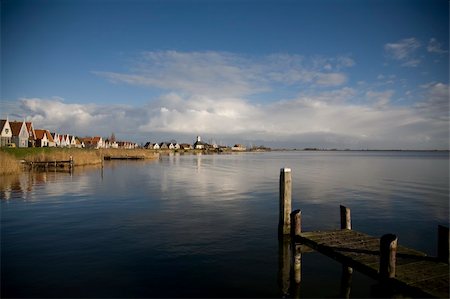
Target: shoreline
13	158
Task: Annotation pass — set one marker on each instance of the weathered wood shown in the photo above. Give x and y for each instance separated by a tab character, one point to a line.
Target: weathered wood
284	226
443	243
296	219
362	252
388	252
346	221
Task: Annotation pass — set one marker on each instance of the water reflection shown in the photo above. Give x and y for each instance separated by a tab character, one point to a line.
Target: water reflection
35	185
206	225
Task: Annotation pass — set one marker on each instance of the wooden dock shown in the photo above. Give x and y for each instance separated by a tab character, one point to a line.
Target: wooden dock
380	258
422	275
123	157
49	164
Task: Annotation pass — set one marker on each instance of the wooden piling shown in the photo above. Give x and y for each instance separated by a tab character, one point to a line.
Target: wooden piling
284	226
388	252
443	243
346	221
296	222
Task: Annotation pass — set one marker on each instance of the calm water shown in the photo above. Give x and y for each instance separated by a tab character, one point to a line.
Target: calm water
206	225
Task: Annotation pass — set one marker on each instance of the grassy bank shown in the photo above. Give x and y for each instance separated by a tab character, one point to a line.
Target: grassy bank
9	164
10	157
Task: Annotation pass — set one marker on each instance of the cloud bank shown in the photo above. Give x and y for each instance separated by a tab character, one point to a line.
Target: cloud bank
217	95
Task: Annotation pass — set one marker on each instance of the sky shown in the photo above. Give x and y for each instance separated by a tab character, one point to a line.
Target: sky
286	74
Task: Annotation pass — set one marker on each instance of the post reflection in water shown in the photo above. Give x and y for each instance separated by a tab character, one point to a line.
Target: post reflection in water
158	223
289	267
346	281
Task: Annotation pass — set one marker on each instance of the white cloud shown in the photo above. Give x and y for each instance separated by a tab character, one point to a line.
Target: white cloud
229	75
195	72
435	47
380	99
436	102
324	119
331	79
215	94
404	50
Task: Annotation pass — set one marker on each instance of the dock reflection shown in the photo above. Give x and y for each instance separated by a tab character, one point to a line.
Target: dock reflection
290	270
289	267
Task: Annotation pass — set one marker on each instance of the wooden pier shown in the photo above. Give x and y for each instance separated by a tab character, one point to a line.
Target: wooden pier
380	258
49	164
123	158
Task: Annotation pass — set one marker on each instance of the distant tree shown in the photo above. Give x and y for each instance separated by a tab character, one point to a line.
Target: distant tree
113	137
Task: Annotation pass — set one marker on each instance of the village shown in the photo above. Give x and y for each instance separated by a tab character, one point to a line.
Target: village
22	134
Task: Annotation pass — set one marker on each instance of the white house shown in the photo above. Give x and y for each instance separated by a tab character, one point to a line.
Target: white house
51	141
19	133
41	138
199	144
186	146
31	134
62	140
55	137
5	132
239	148
72	141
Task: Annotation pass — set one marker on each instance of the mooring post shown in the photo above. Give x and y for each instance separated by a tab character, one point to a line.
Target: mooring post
296	230
284	226
388	251
443	243
296	222
71	162
346	220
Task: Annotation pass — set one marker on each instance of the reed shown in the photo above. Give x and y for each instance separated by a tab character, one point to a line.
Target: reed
80	156
122	153
9	164
10	158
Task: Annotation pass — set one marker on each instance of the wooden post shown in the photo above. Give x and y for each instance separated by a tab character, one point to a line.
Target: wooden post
443	243
388	251
284	226
296	219
346	221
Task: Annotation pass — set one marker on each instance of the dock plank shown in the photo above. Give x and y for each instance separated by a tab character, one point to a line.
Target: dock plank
361	251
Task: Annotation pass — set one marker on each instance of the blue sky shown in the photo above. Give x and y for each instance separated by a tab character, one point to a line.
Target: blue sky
345	74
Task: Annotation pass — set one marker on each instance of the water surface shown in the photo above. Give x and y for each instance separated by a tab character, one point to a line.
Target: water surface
206	225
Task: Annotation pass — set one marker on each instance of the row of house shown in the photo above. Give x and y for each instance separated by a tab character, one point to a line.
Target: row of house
98	142
23	134
198	145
